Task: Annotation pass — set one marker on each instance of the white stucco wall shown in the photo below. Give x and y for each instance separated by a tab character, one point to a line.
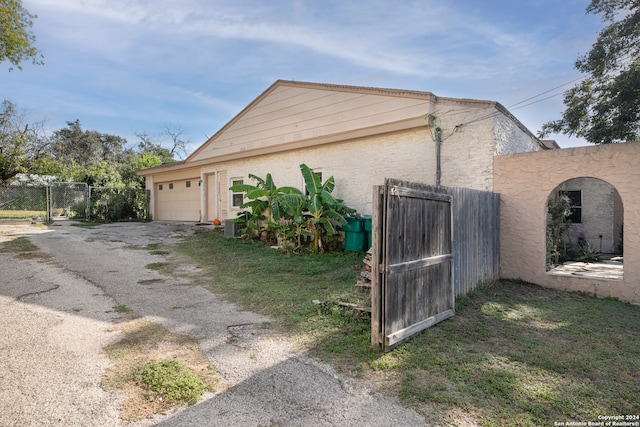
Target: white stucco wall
525	182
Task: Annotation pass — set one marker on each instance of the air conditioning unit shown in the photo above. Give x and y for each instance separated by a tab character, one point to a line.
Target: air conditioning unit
231	229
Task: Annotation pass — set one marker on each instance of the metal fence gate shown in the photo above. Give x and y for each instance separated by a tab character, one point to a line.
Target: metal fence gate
412	286
66	197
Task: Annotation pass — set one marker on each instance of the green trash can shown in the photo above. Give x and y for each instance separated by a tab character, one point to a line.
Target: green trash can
354	236
367	228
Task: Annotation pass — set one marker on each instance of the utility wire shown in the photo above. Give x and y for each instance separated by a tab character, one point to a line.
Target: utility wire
545	92
540	100
495	113
513	105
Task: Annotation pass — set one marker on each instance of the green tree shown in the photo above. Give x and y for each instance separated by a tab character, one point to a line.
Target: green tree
16	37
21	144
294	206
100	174
135	162
87	148
146	144
605	106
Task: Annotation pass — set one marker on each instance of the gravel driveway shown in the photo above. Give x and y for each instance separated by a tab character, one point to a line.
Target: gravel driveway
56	309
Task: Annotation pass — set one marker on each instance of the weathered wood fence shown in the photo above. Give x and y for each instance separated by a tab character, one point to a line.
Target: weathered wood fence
430	244
476	242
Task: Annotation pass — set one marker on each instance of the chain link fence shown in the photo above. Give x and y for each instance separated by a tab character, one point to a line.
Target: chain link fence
22	201
68	199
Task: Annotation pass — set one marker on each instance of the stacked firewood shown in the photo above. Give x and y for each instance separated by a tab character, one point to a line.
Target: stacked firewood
363	284
364	280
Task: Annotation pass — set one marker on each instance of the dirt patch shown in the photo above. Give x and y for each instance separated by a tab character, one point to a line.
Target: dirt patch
144	343
12	230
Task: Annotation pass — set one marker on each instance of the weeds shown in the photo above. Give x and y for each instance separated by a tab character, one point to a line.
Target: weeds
121	309
157	370
170	381
20	244
156	266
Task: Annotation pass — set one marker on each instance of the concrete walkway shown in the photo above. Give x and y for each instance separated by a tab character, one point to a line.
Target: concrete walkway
607	269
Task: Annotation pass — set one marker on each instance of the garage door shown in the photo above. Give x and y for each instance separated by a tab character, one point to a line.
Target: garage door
178	200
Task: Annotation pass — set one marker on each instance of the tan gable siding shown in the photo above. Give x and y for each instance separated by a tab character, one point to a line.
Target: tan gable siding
290	114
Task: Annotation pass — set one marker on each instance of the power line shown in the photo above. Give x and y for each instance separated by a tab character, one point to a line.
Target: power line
540	100
545	92
495	113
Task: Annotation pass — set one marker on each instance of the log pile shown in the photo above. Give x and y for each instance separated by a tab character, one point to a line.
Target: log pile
364	280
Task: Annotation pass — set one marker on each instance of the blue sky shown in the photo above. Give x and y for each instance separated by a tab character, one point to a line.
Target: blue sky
130	66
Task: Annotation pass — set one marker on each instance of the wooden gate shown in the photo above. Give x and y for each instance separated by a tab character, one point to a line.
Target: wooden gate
412	286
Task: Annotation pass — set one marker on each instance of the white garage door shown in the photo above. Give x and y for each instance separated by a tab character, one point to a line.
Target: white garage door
178	200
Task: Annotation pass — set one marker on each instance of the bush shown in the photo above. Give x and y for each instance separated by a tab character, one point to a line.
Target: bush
118	204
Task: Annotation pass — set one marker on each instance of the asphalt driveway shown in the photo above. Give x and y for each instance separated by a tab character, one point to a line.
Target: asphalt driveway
57	306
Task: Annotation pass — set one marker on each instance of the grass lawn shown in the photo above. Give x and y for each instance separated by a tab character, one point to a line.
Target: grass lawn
515	354
21	215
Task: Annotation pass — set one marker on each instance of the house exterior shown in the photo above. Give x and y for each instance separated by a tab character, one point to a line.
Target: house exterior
597	214
358	135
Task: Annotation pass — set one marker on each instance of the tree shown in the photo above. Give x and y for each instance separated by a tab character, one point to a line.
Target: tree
21	144
178	145
146	144
135	162
605	106
87	148
16	38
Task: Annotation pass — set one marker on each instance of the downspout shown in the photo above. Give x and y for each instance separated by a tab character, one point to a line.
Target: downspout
438	148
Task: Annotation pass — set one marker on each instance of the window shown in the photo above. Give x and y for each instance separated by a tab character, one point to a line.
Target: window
171	186
237	198
188	184
575	197
160	187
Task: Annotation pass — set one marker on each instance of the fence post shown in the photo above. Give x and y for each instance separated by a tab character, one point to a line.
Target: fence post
48	202
88	209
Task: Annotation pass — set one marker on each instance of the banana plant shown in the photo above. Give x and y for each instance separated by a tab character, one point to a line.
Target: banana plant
324	208
264	199
295	206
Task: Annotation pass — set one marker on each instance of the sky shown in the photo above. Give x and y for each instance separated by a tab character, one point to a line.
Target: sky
126	67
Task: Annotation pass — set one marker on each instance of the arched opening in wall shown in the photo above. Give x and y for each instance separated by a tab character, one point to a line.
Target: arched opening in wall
585	225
